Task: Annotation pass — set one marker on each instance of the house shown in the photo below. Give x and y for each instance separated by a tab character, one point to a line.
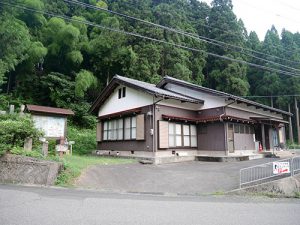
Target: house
52	121
177	117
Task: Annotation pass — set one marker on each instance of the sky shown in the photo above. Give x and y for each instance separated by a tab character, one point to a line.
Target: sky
260	15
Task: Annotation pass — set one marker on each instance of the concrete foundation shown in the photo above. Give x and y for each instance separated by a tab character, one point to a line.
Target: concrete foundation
26	170
174	156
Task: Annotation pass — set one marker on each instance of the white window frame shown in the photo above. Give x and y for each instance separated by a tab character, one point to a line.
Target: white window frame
175	133
115	129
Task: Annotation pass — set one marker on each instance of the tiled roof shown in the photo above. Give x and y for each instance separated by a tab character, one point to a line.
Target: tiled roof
152	89
168	79
50	110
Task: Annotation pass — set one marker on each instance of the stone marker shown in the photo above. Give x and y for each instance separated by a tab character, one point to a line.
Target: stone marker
45	148
28	144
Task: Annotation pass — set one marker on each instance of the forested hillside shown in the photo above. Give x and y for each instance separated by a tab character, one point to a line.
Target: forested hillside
62	54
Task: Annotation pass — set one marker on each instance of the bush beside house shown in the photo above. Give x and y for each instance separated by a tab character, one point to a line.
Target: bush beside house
14	129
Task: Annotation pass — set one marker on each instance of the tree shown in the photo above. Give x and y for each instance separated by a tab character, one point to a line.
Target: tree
14	42
226	75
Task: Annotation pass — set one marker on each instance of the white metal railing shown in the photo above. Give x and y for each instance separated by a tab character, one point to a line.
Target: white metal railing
295	165
265	172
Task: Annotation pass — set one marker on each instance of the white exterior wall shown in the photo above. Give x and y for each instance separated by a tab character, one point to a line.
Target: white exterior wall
252	109
178	104
210	101
133	99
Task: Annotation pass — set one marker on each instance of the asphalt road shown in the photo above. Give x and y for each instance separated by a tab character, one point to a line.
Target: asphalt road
50	206
184	178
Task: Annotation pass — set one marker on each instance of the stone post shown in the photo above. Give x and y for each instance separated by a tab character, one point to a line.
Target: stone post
28	144
11	109
45	148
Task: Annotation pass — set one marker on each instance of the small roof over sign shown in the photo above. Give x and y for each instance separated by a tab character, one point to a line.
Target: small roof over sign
48	110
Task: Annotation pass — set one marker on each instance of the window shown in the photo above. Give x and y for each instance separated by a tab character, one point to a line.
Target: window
133	127
236	128
243	129
172	135
186	135
120	129
194	135
127	128
122	93
105	131
182	135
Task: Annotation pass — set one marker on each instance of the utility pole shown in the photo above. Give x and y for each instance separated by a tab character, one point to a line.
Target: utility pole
291	136
297	119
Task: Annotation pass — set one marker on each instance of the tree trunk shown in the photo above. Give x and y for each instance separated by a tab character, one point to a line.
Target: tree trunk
272	102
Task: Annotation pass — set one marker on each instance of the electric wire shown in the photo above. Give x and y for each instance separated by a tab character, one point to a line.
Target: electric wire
153	39
191	35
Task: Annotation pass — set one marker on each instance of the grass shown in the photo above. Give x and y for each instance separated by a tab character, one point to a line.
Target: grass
297	194
218	193
75	165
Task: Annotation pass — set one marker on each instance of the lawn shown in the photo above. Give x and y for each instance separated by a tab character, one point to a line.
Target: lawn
75	165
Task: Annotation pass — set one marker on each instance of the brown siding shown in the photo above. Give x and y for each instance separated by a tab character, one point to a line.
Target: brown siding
244	142
213	139
132	145
168	110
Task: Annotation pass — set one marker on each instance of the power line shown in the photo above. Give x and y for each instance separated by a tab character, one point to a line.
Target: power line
191	35
271	12
152	39
289	6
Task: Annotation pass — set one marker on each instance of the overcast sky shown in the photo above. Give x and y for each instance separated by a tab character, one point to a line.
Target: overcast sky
260	15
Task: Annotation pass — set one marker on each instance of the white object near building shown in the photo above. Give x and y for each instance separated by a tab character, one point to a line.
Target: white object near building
281	167
52	121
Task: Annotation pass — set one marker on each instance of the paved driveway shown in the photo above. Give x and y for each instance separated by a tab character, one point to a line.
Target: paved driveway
179	178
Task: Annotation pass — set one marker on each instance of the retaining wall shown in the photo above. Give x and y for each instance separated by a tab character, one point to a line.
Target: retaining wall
285	187
27	170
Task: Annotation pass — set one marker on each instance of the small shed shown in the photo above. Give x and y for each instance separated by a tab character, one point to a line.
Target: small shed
52	121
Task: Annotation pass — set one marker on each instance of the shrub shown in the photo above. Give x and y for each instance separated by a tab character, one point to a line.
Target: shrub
85	140
20	151
14	129
51	147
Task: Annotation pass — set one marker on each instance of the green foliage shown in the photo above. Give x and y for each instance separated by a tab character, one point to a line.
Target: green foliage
51	147
49	61
14	41
84	80
14	129
8	99
84	140
20	151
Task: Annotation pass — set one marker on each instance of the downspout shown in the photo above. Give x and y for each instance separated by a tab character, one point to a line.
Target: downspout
153	124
